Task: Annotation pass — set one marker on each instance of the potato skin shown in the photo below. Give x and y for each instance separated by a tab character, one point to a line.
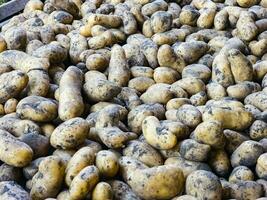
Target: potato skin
102	191
47	181
107	163
70	134
37	108
122	191
13	151
11	190
203	184
70	98
12	83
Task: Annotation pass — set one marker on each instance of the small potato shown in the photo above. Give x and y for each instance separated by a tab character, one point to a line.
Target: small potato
211	133
30	170
121	191
247	3
12	83
247	154
165	75
47	181
141	71
47	129
84	182
97	62
11	190
13	151
189	115
9	173
191	85
203	184
10	105
215	91
261	167
138	114
71	103
107	163
70	134
37	108
194	151
241	173
176	103
82	158
257	99
150	50
141	84
197	71
199	99
160	21
143	152
189	15
102	191
258	130
246	190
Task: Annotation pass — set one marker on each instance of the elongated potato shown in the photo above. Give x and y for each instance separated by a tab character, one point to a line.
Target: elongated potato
70	98
13	151
47	181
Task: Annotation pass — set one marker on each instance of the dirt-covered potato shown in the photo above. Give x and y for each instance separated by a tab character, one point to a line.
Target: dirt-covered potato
241	173
262	166
82	158
203	184
47	181
121	191
219	162
142	179
10	105
10	173
247	154
11	190
246	190
189	115
12	84
13	151
37	108
84	182
107	163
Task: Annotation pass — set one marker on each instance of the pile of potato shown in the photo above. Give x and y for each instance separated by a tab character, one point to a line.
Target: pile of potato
134	99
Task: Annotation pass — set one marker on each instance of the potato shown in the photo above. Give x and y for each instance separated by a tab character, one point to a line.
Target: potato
246	190
38	143
157	93
82	158
11	190
10	105
247	154
258	130
211	133
176	103
102	191
13	151
150	8
247	3
165	75
189	15
84	182
197	71
143	152
122	191
220	162
257	99
70	134
261	166
9	173
141	71
241	173
233	140
70	99
142	181
168	58
138	114
37	108
16	38
237	118
194	151
191	85
93	81
203	184
12	83
160	135
184	197
189	115
47	181
107	163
